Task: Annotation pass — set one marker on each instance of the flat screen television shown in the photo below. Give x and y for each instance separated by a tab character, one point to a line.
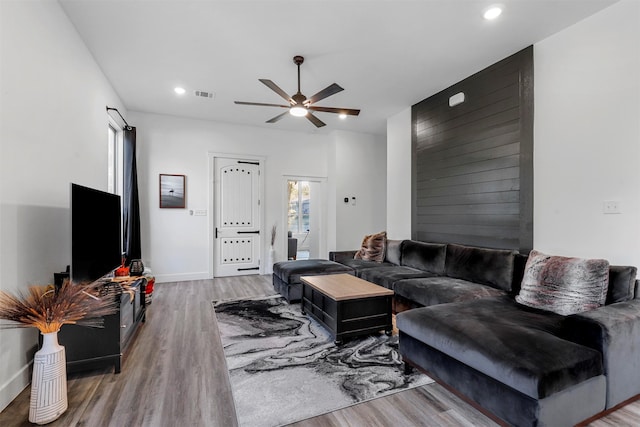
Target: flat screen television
96	243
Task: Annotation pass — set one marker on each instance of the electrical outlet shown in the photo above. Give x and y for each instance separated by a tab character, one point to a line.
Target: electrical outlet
611	207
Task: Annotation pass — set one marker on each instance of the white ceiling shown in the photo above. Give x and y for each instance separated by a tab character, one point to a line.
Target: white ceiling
387	55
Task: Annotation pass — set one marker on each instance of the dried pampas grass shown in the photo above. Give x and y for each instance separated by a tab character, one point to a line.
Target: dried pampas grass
47	309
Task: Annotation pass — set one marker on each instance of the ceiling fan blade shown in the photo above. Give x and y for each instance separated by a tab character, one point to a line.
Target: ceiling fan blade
347	111
274	87
277	118
261	104
327	91
316	121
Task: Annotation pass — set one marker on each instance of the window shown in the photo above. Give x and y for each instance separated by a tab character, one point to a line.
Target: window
299	199
115	171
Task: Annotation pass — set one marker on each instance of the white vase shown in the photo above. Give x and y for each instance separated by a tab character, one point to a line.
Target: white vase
49	381
270	260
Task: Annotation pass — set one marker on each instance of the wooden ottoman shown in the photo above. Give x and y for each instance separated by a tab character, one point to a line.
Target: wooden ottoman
346	305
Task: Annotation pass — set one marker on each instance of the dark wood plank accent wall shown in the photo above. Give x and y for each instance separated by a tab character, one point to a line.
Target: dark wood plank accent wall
473	163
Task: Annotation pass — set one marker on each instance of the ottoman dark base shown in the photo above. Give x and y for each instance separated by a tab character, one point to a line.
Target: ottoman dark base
286	275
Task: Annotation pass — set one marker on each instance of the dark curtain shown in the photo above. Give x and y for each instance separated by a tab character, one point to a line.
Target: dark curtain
130	204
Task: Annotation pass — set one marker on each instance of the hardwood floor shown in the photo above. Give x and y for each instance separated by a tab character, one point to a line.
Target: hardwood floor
174	374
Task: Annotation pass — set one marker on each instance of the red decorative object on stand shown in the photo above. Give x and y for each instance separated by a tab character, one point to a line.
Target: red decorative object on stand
122	270
149	289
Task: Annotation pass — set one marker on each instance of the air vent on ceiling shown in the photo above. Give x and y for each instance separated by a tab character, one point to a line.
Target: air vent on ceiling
203	94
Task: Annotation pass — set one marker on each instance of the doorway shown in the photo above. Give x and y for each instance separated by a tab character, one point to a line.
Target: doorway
304	217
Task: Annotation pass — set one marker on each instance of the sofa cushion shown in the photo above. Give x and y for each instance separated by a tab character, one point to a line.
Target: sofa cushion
393	251
359	265
564	285
387	276
511	343
373	247
290	271
622	283
340	256
424	256
493	267
441	290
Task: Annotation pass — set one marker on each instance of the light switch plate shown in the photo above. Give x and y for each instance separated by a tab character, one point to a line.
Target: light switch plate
611	207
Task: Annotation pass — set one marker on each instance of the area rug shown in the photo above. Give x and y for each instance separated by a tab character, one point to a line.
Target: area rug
284	367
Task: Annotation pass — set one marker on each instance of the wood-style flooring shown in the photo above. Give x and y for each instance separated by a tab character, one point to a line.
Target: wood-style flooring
174	374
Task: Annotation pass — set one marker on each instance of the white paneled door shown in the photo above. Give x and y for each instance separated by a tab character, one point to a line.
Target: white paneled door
237	220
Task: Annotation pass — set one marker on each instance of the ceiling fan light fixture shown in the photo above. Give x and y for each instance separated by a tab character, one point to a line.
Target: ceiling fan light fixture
342	116
298	111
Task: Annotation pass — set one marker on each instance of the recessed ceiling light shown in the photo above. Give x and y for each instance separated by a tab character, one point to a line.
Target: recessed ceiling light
342	116
179	90
492	13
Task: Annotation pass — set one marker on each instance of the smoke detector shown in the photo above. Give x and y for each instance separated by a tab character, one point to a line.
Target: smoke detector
203	94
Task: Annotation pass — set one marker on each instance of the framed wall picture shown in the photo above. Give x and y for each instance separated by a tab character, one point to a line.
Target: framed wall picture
172	191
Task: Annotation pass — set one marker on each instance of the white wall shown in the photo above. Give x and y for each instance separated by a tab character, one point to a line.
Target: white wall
360	172
587	137
176	245
53	131
399	175
586	141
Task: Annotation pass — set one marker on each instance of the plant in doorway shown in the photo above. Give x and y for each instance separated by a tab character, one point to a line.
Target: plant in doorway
272	250
48	308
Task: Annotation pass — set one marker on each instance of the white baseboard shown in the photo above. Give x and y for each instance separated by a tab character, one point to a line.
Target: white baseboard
14	386
163	278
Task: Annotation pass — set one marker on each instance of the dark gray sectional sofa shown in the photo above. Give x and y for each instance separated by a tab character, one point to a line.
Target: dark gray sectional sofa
528	367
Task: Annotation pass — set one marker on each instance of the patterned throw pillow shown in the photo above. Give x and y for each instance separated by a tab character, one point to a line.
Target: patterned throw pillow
564	285
373	247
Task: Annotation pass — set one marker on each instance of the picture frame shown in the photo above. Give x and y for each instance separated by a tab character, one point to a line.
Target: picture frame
172	191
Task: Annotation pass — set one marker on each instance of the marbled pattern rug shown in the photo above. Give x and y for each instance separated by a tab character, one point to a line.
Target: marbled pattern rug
284	367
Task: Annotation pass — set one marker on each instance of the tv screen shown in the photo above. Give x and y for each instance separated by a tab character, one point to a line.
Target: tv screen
96	247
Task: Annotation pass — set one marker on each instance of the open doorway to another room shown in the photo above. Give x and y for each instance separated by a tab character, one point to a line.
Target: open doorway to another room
298	219
304	199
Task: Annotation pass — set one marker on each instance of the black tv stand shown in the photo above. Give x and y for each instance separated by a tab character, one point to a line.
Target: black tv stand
93	348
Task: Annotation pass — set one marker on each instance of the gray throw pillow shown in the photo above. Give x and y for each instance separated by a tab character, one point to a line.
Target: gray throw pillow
564	285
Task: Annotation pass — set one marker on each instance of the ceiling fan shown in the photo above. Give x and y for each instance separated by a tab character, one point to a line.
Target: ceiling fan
299	105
